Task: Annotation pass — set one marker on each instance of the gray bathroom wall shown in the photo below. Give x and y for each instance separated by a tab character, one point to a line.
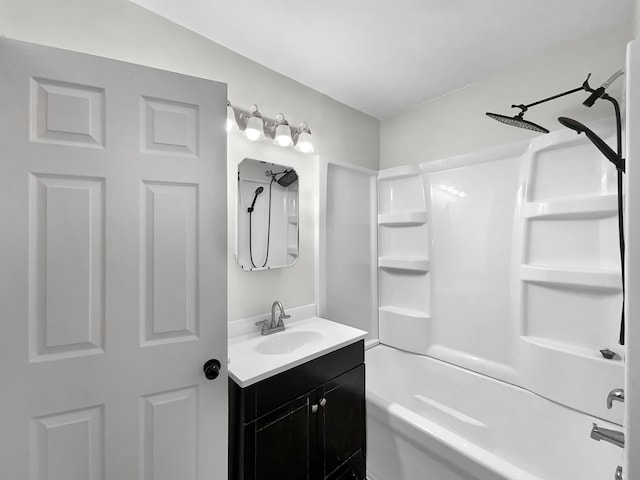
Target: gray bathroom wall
122	30
456	123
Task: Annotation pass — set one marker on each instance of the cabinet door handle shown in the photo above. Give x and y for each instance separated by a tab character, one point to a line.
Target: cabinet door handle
314	408
323	402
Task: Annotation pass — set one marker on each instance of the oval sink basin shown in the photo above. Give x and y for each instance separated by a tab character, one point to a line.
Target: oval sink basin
288	342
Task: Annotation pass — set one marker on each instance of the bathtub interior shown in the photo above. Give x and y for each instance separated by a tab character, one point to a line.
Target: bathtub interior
487	428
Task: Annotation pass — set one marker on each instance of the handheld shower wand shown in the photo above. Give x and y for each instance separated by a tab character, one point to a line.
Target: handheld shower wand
606	150
259	190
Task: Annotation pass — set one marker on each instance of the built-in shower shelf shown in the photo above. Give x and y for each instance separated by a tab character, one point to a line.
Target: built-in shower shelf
602	279
599	206
405	263
293	219
405	329
389	311
292	251
401	219
564	348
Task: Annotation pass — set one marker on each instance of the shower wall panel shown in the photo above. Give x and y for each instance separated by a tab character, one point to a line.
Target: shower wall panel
348	284
472	211
569	288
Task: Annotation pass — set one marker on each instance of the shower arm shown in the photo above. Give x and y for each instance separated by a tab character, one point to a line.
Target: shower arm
584	87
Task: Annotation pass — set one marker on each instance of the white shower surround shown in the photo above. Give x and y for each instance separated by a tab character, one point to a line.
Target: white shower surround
506	262
503	262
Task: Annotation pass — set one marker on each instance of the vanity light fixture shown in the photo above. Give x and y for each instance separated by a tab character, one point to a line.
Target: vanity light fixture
232	123
282	132
303	140
255	128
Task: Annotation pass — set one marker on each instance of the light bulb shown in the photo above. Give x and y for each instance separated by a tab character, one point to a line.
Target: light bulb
304	143
283	136
255	129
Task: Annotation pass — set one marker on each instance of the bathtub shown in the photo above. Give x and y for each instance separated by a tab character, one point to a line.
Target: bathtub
429	420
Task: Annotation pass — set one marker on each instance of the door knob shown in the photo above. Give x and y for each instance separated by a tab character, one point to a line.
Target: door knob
211	369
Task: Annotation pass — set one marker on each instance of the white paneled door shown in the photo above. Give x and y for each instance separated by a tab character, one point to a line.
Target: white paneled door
112	270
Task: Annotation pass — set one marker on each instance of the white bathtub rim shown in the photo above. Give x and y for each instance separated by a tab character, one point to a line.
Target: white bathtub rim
443	443
605	422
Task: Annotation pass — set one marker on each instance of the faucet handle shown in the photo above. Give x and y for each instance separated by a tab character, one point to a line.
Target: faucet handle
264	324
617	395
281	318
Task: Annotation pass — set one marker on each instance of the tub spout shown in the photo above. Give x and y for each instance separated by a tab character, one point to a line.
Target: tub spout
611	436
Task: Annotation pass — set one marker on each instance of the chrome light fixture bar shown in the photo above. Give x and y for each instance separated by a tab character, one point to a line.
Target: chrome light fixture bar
255	127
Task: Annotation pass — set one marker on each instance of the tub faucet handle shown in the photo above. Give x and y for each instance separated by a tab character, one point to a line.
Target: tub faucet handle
616	395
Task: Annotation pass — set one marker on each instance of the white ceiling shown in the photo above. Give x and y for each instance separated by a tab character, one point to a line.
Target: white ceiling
385	56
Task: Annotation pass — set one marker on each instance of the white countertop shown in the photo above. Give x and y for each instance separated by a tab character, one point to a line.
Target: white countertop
248	366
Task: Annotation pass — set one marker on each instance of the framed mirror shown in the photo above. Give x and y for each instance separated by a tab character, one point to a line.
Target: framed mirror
267	215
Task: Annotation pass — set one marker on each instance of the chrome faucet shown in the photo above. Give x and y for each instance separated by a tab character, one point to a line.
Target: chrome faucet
273	326
610	436
615	395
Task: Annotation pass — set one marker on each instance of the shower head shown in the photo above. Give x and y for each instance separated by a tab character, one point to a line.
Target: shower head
606	150
517	121
259	190
289	177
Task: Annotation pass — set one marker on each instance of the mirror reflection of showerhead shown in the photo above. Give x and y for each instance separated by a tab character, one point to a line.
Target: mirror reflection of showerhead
606	150
517	121
259	190
289	177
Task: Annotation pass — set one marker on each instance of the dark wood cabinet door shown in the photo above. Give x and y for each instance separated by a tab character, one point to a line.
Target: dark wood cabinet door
307	423
282	443
343	415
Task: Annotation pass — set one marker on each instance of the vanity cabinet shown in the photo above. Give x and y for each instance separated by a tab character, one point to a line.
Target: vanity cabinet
307	423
